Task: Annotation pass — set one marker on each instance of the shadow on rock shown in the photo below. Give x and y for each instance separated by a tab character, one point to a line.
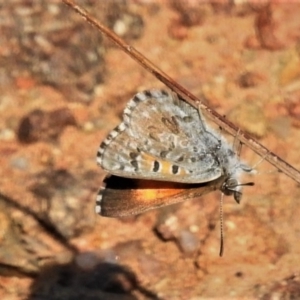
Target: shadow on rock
104	281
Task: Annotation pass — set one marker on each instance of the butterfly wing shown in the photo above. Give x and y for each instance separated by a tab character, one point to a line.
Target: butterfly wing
161	138
124	197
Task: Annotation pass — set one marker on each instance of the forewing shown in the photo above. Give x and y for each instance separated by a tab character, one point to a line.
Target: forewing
159	139
124	197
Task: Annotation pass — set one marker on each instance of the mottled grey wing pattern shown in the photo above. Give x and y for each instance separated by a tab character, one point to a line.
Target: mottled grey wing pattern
161	138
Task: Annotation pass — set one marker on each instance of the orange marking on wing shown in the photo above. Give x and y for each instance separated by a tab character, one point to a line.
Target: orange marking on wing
150	194
125	196
165	166
146	161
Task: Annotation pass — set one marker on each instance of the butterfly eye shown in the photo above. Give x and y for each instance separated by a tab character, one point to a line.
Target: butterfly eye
232	187
229	186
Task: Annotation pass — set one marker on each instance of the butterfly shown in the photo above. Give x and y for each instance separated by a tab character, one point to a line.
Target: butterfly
162	153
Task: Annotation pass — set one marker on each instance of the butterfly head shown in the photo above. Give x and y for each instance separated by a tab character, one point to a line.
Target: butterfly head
231	186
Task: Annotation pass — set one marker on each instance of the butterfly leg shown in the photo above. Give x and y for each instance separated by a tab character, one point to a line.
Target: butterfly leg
206	130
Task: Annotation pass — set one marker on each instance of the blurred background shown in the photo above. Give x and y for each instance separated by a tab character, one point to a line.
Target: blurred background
63	87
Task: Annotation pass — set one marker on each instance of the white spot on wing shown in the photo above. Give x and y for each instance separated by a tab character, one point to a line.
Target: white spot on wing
98	202
98	209
122	127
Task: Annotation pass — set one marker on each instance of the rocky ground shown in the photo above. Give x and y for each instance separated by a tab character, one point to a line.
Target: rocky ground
63	89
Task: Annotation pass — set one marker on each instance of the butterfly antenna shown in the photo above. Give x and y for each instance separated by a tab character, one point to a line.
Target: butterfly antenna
221	226
232	188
